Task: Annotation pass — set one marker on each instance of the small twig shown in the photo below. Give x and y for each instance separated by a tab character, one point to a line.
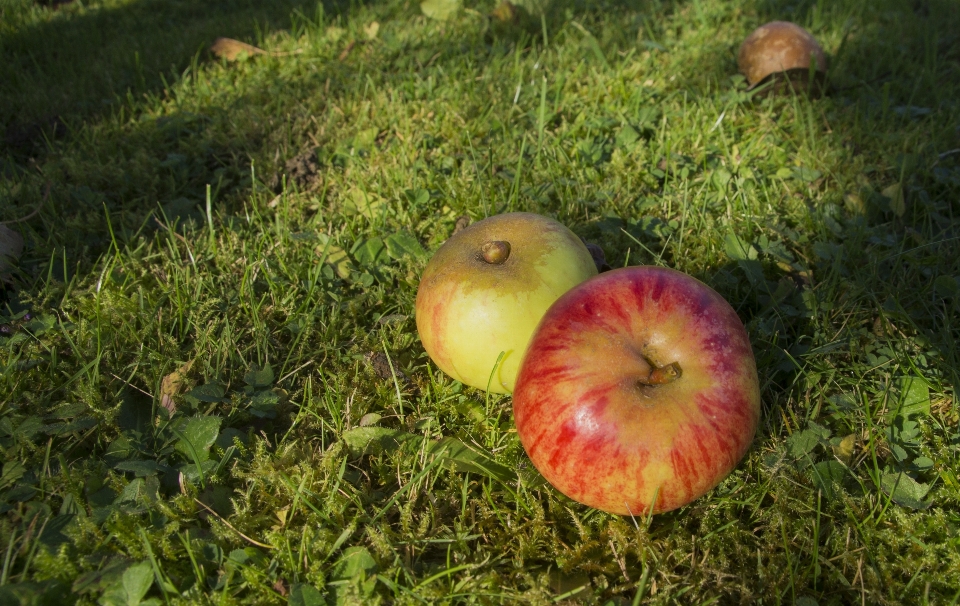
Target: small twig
231	526
289	374
347	50
623	566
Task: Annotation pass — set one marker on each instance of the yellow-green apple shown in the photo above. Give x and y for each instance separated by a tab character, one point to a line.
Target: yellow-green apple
638	392
486	288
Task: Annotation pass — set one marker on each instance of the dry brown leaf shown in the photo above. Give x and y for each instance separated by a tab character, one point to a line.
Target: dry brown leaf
171	386
463	221
506	12
230	49
844	450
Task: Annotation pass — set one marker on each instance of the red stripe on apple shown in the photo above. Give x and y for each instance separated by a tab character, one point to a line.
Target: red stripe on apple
638	382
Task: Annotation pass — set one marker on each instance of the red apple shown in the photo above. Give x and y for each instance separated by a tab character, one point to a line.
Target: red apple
484	291
638	392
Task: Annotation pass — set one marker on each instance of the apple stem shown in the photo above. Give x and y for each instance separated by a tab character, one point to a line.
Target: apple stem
495	252
661	375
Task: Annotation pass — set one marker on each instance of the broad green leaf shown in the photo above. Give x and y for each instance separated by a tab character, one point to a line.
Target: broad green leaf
753	270
802	443
914	397
460	457
40	324
441	10
403	244
140	469
12	471
627	136
354	561
199	433
211	392
739	249
136	410
359	202
53	535
827	477
137	581
374	440
334	256
827	250
263	404
946	286
807	175
905	491
302	594
259	377
370	252
96	581
417	197
59	429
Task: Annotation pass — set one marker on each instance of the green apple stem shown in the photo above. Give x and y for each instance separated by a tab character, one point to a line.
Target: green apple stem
661	375
495	252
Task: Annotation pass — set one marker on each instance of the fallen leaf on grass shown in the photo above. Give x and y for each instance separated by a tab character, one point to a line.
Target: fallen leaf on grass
372	30
382	366
171	386
231	50
463	222
844	450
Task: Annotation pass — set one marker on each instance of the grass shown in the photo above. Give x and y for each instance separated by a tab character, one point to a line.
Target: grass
212	386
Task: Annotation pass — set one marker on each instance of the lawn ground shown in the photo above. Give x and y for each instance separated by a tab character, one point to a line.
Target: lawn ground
212	386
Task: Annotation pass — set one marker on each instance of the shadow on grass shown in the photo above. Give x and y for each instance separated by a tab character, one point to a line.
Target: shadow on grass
73	63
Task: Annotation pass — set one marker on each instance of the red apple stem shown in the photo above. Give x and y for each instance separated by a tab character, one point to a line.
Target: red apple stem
495	252
661	375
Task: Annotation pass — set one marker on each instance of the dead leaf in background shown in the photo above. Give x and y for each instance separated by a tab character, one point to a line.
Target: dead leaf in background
506	12
11	247
372	30
844	450
463	221
171	386
230	49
